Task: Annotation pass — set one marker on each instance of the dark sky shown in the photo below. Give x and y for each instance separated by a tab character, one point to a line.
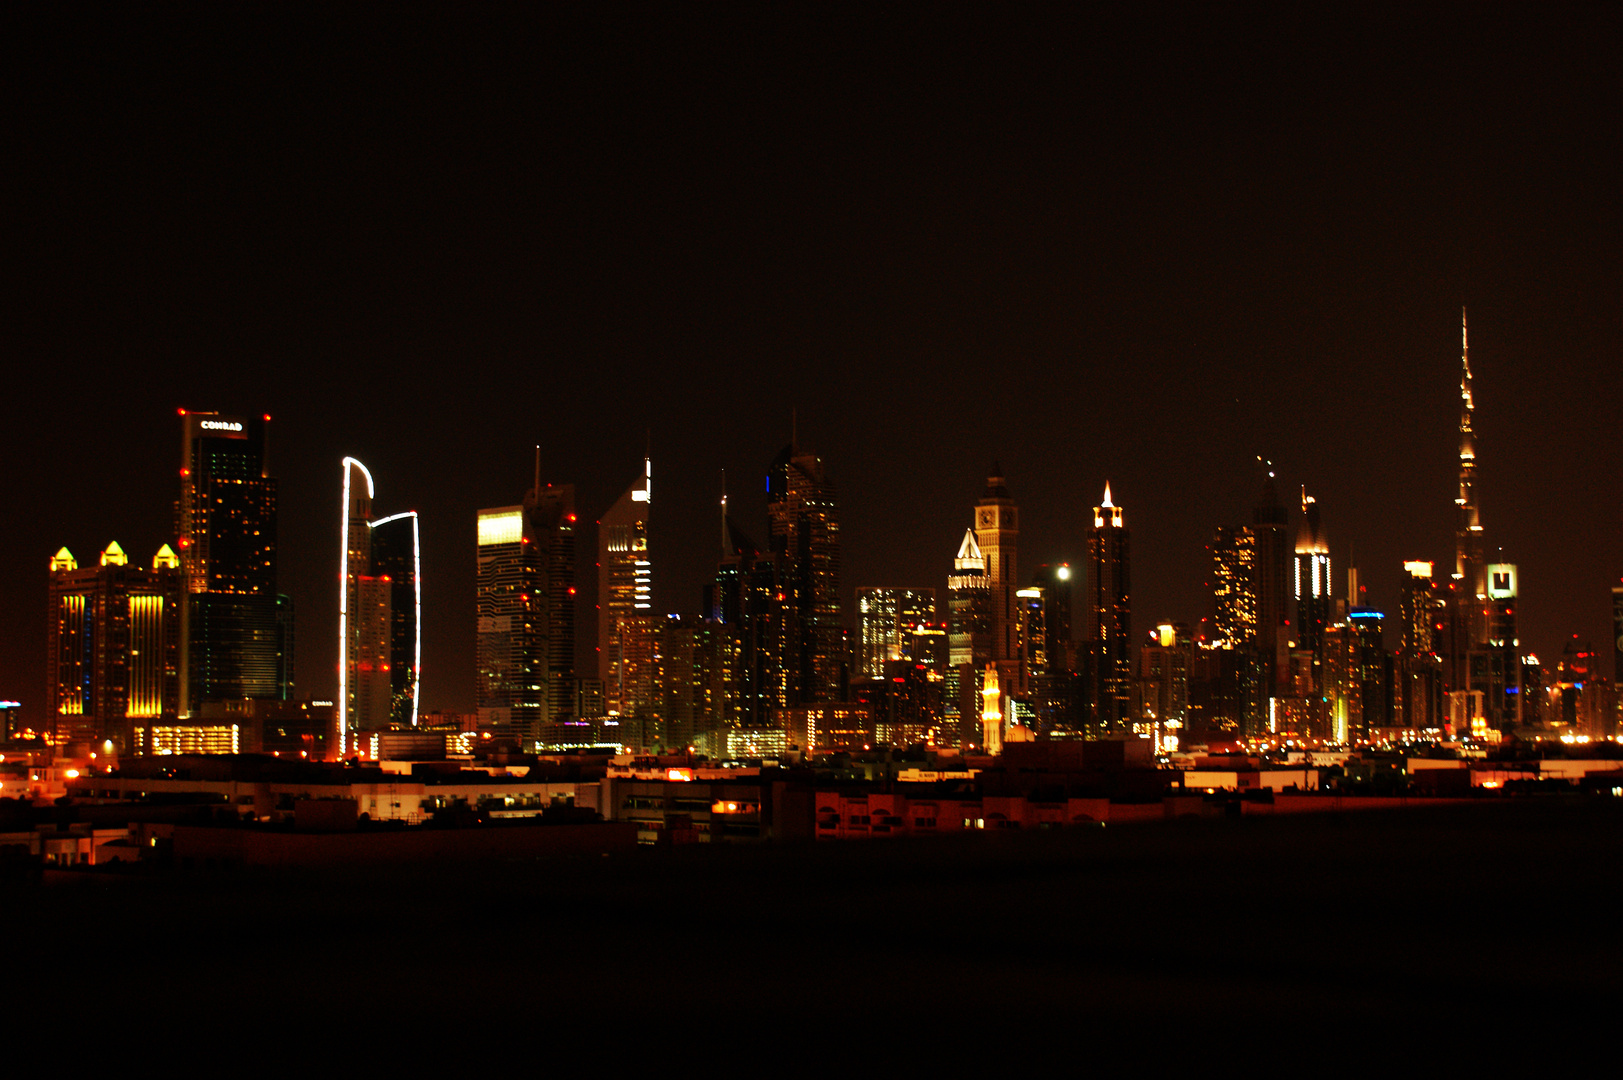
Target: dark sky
1142	245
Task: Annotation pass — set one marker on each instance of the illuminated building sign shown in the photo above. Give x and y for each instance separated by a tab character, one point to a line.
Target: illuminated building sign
222	427
501	527
1502	581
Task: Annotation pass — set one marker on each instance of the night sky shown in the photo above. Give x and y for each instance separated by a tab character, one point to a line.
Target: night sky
1136	245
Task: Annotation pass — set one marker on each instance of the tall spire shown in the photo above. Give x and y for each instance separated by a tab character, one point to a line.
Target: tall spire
1468	530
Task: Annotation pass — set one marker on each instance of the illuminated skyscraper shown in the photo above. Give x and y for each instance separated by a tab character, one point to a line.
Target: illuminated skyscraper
997	531
969	642
1313	609
1271	583
1312	580
380	613
511	694
805	537
1055	581
886	619
1051	654
750	601
551	509
226	535
1418	670
626	633
1483	666
1109	616
1469	567
1234	563
113	660
1496	667
1164	678
397	562
1343	682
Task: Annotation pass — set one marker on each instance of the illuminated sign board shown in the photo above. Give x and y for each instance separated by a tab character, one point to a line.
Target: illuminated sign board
220	427
1502	581
501	527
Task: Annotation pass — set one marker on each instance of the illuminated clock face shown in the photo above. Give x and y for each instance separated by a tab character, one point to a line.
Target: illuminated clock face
986	517
1620	643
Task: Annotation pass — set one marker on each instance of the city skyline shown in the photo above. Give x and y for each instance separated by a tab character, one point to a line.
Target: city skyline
955	244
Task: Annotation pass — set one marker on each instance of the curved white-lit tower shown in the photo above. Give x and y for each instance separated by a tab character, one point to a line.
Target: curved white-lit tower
355	562
397	559
380	615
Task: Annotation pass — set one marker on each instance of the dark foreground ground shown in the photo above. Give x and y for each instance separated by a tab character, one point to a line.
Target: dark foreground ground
1490	919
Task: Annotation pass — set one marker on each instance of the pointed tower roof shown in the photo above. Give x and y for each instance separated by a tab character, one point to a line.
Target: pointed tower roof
737	542
166	559
1107	513
969	554
1310	534
114	556
64	560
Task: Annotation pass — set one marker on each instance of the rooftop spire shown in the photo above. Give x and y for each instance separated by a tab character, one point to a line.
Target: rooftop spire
1107	512
1467	533
969	553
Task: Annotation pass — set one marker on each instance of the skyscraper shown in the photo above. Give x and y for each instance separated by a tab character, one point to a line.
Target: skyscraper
969	642
1234	571
1109	615
226	535
113	659
1313	607
1268	521
1498	670
1054	582
511	693
1051	655
1469	571
380	613
1418	671
397	561
997	531
626	644
1164	677
886	619
1482	666
750	601
551	510
805	537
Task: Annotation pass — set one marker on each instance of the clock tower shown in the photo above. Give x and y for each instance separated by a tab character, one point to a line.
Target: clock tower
997	532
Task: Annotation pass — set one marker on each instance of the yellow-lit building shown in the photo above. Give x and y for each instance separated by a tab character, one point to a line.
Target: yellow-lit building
113	664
